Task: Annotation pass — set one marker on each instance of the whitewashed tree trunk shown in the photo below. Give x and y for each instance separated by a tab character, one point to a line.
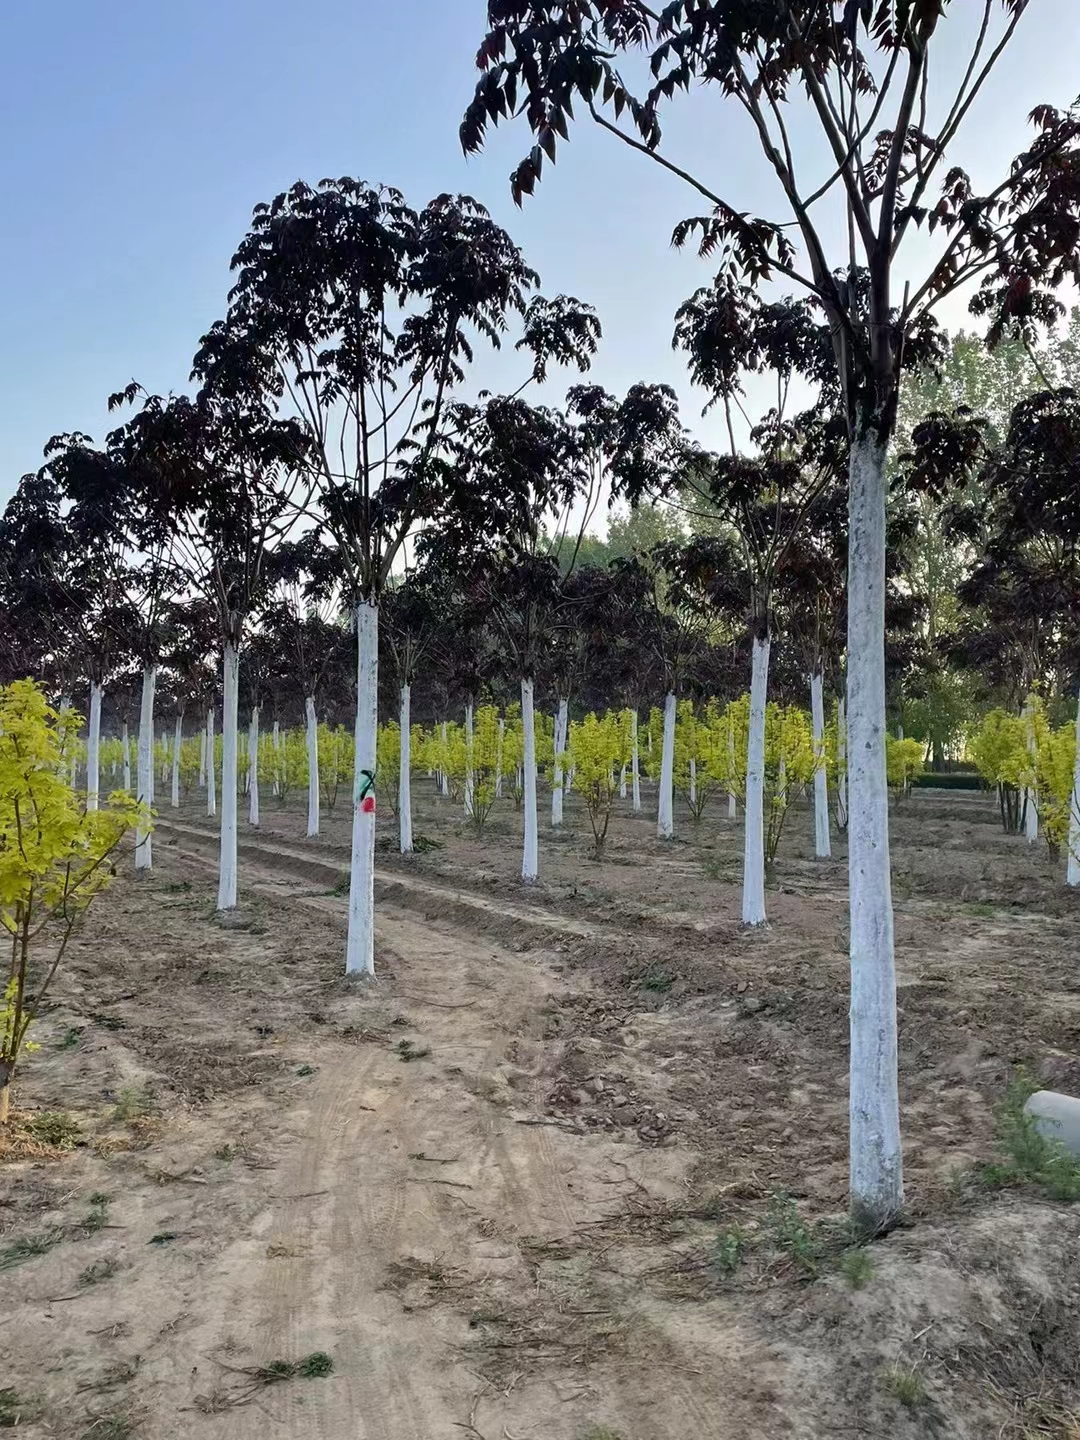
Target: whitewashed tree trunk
126	753
1072	875
732	799
177	748
313	816
67	763
622	783
229	727
276	751
635	765
468	759
253	768
693	781
841	765
145	767
211	765
445	773
822	847
530	862
202	758
876	1162
665	810
93	748
499	760
405	775
1031	799
360	946
561	723
753	897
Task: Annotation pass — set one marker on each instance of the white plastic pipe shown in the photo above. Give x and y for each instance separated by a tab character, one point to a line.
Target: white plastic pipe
405	841
312	766
530	862
360	945
93	748
753	898
665	813
229	726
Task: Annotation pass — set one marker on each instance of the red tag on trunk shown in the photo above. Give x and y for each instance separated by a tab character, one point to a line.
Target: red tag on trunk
367	805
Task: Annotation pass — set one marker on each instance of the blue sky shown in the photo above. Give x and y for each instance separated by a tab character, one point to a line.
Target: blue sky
137	137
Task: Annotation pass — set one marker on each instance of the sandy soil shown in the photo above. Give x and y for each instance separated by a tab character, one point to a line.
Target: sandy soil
574	1169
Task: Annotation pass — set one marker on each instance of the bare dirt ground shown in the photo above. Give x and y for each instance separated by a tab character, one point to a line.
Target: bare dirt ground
574	1169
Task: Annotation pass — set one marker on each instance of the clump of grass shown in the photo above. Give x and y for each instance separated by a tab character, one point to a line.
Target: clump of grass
163	1237
98	1217
54	1127
905	1384
656	978
729	1249
856	1267
100	1270
305	1070
71	1037
790	1233
117	1426
1031	1158
132	1103
225	1153
15	1409
29	1248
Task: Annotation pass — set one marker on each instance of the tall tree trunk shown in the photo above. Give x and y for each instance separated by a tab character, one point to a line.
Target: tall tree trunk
499	760
145	770
202	758
561	722
445	773
126	751
876	1162
211	765
1031	800
253	768
753	896
665	806
693	781
312	766
93	748
635	765
229	726
841	765
1072	876
530	861
469	759
732	801
360	946
178	745
822	848
405	774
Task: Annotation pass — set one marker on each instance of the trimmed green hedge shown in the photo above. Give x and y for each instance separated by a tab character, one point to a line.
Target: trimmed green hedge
949	780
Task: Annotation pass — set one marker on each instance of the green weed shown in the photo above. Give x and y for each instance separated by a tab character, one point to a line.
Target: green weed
904	1383
311	1367
225	1152
856	1267
54	1127
729	1249
71	1037
133	1102
656	978
34	1245
110	1427
1031	1158
15	1409
100	1270
407	1051
163	1237
98	1217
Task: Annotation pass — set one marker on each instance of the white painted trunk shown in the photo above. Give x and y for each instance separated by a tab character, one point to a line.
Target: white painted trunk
822	848
405	775
665	812
1072	876
145	768
202	758
126	743
622	783
253	768
693	781
93	748
312	766
177	747
876	1162
561	723
229	726
211	767
635	766
469	759
732	799
753	896
530	862
276	750
1031	799
445	774
499	761
67	765
360	946
841	765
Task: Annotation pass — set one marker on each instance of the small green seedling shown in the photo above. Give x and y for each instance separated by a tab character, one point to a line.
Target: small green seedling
100	1270
905	1383
856	1267
56	1128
